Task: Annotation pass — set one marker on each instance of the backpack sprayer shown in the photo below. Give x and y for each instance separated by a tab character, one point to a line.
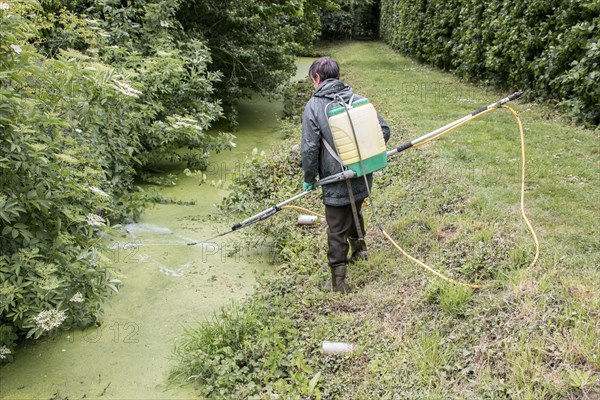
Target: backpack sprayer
360	150
363	153
358	164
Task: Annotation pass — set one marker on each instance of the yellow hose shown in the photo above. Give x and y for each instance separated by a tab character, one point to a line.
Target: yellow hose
303	209
425	266
535	239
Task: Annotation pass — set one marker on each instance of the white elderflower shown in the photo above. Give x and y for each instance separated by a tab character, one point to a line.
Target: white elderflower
4	6
49	319
77	298
99	191
16	48
95	220
186	123
4	351
164	24
126	89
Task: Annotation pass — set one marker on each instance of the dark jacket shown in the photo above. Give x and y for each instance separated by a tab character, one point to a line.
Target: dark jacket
316	160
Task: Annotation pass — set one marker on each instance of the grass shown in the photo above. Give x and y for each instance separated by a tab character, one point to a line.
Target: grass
454	204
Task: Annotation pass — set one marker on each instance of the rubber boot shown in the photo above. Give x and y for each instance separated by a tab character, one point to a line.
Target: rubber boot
358	249
338	278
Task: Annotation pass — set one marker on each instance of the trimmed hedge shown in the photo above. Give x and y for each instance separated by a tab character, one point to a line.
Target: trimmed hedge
350	19
551	49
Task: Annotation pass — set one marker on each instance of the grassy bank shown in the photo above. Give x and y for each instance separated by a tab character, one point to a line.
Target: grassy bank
454	204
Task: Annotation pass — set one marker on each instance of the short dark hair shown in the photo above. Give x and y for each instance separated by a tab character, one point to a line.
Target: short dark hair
325	67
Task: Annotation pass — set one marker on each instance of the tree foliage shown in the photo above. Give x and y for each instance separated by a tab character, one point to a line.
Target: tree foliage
252	44
347	19
144	41
550	49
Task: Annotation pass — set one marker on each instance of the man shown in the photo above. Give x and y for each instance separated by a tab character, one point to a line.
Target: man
342	232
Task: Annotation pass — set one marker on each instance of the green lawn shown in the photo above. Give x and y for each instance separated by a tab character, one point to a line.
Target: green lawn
542	324
455	204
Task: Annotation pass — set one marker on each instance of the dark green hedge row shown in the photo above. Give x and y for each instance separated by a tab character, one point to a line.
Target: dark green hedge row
349	19
551	48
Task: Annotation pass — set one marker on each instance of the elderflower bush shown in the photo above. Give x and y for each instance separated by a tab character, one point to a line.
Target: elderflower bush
176	90
167	73
65	165
88	102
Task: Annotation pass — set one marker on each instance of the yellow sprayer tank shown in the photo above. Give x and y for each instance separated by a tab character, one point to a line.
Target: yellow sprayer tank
368	135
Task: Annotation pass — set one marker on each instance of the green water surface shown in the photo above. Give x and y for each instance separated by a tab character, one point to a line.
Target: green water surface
167	284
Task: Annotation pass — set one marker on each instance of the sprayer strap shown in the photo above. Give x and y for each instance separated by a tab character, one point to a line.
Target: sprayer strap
331	150
359	231
348	105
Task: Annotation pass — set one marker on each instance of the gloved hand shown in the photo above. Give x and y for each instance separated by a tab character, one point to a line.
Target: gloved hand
308	186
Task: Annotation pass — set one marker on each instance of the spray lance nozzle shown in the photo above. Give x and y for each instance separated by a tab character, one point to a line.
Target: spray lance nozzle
515	95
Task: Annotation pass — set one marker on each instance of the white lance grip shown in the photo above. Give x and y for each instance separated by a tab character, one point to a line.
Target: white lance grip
307	219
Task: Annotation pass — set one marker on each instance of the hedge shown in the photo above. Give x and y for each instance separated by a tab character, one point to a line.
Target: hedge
551	49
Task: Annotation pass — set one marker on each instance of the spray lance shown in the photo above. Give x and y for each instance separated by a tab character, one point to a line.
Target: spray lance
440	131
349	173
342	176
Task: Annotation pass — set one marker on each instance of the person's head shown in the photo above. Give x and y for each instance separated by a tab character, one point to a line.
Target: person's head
322	69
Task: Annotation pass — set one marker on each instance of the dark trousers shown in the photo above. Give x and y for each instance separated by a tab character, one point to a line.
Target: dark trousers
340	227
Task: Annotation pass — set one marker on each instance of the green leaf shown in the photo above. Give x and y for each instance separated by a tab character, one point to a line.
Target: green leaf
313	382
113	287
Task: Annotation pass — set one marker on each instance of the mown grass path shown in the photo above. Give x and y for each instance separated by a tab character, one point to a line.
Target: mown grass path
455	204
550	328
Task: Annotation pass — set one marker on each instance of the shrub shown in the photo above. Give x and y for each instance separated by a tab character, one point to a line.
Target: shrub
350	19
549	49
65	160
145	42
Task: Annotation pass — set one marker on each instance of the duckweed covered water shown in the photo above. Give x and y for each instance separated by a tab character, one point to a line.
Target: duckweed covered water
167	285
